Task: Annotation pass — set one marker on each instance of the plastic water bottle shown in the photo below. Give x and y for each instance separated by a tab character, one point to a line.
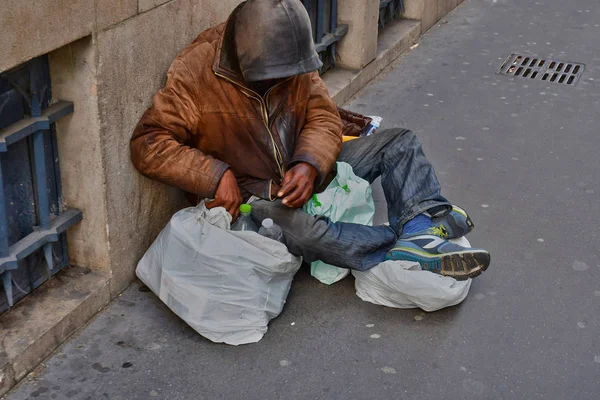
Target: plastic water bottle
372	127
271	230
244	221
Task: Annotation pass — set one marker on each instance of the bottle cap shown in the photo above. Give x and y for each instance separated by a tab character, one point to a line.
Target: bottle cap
267	223
245	208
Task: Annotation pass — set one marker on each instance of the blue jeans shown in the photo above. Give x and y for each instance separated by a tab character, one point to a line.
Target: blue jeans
410	187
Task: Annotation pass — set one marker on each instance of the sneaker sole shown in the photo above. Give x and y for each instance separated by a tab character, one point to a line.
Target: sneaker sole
458	265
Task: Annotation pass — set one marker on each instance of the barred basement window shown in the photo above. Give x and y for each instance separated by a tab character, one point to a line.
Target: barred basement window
326	31
388	10
32	218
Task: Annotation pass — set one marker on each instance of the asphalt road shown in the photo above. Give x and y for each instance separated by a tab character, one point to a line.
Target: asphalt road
520	155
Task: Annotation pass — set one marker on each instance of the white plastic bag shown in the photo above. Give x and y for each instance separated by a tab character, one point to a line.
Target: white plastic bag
226	285
348	198
402	284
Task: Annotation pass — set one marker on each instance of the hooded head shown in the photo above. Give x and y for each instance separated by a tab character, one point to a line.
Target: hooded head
273	39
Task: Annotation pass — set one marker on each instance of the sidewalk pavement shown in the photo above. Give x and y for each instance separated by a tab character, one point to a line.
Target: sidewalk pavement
520	155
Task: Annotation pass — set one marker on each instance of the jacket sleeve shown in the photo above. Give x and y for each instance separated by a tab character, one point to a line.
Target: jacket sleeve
320	141
158	148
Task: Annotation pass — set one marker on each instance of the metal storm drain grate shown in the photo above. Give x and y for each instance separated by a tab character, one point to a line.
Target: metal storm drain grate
542	69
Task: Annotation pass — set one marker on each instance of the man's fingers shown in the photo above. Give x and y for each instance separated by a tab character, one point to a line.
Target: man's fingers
302	199
238	203
232	206
214	203
287	189
291	198
306	196
290	182
287	177
233	210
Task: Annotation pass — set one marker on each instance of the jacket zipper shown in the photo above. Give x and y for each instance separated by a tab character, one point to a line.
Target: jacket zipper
265	118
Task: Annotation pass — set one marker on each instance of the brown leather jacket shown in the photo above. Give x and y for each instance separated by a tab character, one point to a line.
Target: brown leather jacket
205	121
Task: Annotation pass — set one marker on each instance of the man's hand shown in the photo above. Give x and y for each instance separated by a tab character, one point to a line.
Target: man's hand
228	195
298	185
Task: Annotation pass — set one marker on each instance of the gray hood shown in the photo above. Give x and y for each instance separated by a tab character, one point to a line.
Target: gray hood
273	39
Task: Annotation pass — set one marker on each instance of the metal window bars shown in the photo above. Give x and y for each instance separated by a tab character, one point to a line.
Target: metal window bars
326	31
32	132
388	10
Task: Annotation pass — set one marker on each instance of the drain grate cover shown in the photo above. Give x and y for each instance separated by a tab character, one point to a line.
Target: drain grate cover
541	69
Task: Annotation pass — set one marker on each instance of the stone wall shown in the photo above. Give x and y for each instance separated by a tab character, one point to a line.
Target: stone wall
109	57
130	71
359	46
73	76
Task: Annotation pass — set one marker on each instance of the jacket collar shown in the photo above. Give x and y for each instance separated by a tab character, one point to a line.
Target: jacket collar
226	61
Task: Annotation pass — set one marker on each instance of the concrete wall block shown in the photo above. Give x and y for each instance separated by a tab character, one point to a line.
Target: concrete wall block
442	5
73	77
413	9
30	28
109	12
206	14
130	72
359	46
445	6
145	5
430	14
428	11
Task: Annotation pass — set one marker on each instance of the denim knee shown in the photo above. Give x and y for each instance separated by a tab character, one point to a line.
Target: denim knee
399	137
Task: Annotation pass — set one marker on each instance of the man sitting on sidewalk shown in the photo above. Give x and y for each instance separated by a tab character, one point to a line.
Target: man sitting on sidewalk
244	113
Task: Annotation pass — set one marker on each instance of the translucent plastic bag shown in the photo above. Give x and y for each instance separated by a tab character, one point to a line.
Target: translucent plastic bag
226	285
348	198
402	284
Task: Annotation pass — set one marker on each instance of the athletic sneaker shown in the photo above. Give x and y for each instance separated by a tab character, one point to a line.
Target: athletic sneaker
453	225
440	256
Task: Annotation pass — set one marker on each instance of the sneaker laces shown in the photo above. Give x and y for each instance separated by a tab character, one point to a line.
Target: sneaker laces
439	230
